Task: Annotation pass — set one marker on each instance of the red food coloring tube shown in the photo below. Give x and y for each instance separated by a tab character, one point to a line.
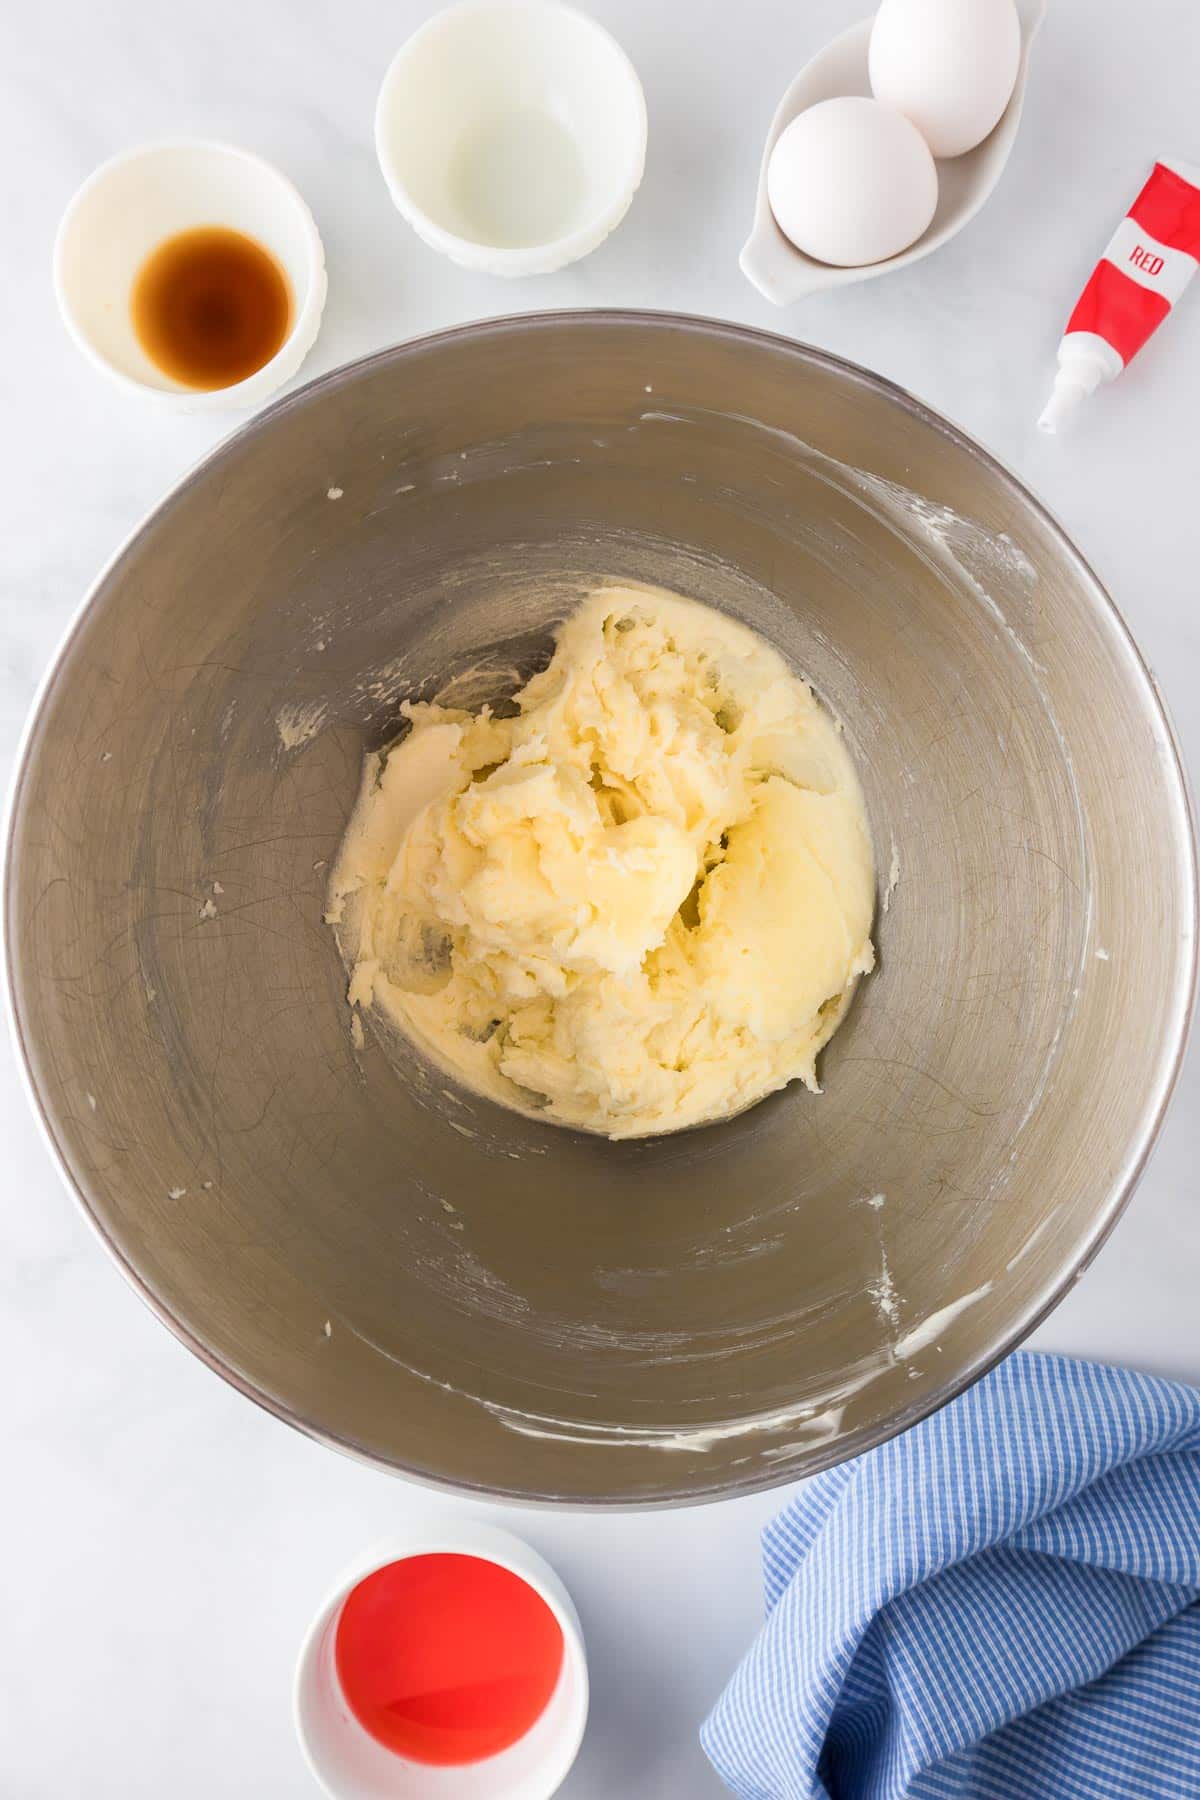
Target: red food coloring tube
1151	257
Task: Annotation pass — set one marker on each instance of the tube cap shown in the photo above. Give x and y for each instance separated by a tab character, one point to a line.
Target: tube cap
1083	363
1067	392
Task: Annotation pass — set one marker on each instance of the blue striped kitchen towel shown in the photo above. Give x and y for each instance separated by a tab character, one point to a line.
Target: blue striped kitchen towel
1001	1604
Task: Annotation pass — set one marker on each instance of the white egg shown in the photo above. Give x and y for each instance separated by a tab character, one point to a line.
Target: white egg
851	182
948	65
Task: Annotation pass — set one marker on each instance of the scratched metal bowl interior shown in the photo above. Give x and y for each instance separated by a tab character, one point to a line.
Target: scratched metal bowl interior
451	1289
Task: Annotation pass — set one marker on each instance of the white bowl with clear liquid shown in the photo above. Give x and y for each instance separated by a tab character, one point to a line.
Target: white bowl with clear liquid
512	134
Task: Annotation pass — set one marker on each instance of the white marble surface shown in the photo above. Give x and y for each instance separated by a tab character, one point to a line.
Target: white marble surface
164	1541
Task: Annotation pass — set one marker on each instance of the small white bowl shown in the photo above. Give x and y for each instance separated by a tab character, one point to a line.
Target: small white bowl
783	273
512	134
142	197
347	1761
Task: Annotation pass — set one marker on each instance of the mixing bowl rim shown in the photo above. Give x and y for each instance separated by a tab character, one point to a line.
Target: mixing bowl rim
1121	1190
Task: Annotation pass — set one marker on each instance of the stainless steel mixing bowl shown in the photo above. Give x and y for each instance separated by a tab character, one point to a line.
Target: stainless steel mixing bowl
453	1290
